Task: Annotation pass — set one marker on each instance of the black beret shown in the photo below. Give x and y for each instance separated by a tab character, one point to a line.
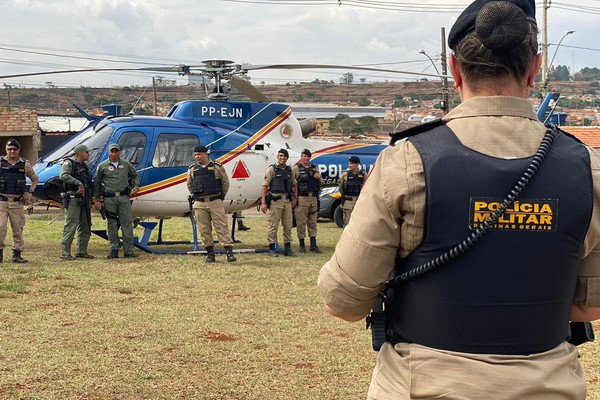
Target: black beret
465	22
307	152
13	142
284	152
354	160
200	149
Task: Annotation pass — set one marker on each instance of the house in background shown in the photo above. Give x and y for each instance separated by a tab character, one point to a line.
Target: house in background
23	126
56	129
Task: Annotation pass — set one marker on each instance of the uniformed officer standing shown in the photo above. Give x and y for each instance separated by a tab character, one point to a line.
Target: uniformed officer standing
13	195
116	180
281	191
489	318
309	182
350	184
207	181
77	181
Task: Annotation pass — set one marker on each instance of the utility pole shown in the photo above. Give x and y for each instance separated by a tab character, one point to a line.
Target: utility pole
154	94
445	91
544	45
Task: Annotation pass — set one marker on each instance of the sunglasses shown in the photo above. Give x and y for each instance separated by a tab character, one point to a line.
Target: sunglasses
12	149
114	150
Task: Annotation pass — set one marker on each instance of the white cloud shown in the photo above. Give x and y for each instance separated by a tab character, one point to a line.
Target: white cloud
182	31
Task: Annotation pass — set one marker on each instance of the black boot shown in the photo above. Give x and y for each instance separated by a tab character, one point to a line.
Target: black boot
17	257
302	247
242	227
230	256
210	254
1	255
313	245
287	250
113	254
272	251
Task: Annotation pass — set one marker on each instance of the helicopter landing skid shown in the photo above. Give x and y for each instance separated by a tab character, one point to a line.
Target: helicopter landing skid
144	242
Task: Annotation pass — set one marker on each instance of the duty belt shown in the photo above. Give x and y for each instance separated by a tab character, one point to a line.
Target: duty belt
275	198
348	198
9	199
308	194
203	199
117	194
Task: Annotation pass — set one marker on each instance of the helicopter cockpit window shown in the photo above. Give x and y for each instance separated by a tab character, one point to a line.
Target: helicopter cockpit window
132	147
174	150
94	137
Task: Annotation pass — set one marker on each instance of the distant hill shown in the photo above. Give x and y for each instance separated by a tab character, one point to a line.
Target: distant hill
140	99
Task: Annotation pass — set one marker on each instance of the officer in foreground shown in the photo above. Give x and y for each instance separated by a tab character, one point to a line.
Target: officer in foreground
490	319
350	184
116	180
13	194
309	182
207	181
77	195
278	198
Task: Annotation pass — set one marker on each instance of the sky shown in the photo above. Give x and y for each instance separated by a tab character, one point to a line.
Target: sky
42	35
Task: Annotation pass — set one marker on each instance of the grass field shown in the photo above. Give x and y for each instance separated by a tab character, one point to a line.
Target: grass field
172	327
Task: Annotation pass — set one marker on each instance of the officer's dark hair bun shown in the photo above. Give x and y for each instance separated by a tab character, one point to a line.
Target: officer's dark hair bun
501	25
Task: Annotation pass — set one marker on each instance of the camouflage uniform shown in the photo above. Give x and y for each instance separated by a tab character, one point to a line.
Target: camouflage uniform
114	184
78	208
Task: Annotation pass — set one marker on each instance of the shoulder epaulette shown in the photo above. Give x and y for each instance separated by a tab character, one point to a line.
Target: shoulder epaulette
394	137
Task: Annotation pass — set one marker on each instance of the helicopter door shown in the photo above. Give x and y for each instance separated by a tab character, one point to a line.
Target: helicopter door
133	147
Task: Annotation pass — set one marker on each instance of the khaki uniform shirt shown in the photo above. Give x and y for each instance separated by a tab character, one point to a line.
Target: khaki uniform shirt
220	174
29	172
389	217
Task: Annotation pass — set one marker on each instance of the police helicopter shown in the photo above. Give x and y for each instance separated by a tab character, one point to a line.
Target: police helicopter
244	136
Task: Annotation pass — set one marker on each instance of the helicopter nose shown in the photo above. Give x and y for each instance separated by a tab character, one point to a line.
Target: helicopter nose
50	190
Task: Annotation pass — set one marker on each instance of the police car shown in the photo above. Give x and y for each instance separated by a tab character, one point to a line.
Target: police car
330	201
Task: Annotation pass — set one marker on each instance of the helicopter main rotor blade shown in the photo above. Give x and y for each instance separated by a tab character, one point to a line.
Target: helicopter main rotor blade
245	87
328	66
181	69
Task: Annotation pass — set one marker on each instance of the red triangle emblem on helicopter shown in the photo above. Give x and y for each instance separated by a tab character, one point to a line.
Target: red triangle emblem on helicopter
240	171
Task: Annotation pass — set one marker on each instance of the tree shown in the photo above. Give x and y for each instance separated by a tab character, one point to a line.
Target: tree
368	123
587	74
559	73
363	101
348	78
342	123
400	101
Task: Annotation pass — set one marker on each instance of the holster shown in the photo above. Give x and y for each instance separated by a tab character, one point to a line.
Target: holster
269	199
191	200
377	320
580	332
65	199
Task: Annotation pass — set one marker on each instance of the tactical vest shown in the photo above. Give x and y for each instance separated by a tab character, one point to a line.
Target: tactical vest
353	183
306	180
512	292
80	172
205	181
282	181
12	177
